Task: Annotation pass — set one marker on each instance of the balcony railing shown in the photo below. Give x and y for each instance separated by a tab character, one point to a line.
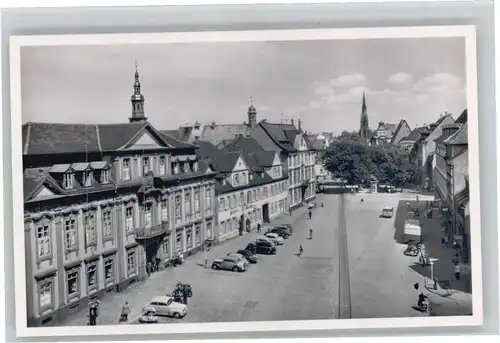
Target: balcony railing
153	231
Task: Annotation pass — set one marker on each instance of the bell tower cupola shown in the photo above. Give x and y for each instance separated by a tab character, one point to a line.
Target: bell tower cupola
137	100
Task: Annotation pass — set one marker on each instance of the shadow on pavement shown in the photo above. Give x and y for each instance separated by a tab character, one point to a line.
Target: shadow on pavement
443	256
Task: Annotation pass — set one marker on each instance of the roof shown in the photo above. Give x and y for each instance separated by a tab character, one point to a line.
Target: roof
400	125
57	138
265	158
257	179
462	119
460	137
245	144
216	134
283	135
415	134
227	161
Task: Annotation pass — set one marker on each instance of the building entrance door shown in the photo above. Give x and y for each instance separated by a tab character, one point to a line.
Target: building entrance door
265	213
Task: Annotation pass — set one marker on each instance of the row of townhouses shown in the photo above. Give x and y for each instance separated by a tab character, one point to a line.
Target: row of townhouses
102	200
441	151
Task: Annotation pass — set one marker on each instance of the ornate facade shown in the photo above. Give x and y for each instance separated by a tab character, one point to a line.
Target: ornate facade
103	200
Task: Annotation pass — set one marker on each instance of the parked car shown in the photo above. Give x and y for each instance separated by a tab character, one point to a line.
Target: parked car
148	315
261	247
281	231
287	227
263	238
234	263
239	257
251	257
275	238
166	306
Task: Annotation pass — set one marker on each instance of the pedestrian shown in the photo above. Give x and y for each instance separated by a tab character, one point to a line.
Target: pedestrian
125	312
149	267
301	249
457	270
310	214
258	227
417	198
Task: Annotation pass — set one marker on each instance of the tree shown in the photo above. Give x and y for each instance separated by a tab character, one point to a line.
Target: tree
357	163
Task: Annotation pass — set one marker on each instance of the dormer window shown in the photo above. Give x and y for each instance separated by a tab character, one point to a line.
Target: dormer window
126	169
87	178
236	179
194	166
68	180
105	176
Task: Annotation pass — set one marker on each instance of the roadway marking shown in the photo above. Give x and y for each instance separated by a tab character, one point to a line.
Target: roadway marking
344	282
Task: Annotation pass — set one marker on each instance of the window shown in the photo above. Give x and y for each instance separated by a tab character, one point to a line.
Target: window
175	168
209	230
68	180
89	226
185	167
87	178
43	240
70	233
92	276
197	201
208	199
105	176
242	199
148	215
107	228
162	163
197	234
109	272
72	282
129	218
178	213
145	165
126	169
45	294
178	242
187	203
131	262
236	179
222	204
243	178
194	166
249	197
189	237
166	247
266	194
254	195
164	210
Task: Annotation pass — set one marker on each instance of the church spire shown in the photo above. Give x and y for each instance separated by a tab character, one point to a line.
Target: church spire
364	128
137	100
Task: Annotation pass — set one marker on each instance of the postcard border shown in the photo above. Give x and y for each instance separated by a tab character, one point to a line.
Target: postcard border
464	31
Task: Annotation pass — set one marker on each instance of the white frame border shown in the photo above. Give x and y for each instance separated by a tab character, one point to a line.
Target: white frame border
466	31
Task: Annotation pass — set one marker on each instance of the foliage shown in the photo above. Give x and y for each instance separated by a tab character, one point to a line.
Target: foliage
358	163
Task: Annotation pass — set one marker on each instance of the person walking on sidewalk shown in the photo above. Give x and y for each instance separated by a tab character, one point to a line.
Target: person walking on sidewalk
301	250
457	270
258	227
310	214
125	312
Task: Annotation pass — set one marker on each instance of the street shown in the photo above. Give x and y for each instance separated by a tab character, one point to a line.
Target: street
352	268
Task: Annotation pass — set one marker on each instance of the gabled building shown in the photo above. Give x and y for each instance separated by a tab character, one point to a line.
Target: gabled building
297	155
251	185
403	130
407	143
103	200
422	153
383	134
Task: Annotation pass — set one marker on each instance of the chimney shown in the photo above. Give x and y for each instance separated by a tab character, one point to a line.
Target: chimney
291	121
300	125
213	125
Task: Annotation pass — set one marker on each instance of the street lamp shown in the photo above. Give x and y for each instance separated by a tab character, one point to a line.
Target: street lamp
431	262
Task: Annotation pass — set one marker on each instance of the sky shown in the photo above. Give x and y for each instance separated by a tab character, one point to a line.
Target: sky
319	82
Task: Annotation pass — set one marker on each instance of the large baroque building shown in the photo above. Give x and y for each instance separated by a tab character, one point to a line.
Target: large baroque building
102	200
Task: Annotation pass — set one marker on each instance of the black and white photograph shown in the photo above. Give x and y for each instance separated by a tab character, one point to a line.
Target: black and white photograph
239	181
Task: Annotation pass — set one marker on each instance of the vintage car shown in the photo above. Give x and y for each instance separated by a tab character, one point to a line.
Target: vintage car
166	306
234	263
275	238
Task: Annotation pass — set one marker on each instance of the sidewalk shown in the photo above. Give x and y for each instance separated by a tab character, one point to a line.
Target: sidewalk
162	281
452	297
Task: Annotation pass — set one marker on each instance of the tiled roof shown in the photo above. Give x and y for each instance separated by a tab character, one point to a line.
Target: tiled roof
244	144
281	134
216	134
400	125
50	138
172	133
462	119
264	158
460	137
226	162
55	138
414	135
